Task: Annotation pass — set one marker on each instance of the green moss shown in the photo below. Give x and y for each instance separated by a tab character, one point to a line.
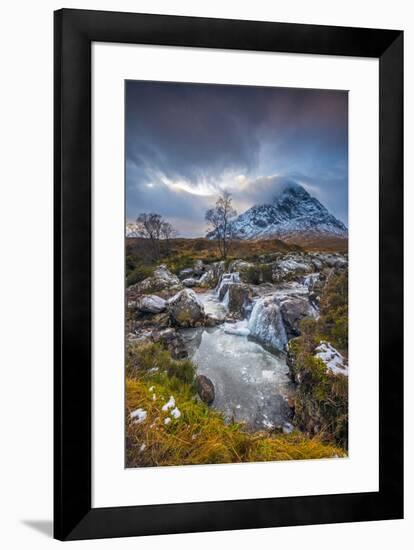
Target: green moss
138	274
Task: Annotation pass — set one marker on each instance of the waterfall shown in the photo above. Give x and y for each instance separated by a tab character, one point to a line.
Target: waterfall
226	280
266	323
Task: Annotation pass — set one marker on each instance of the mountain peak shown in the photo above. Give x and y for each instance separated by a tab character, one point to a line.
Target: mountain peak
293	211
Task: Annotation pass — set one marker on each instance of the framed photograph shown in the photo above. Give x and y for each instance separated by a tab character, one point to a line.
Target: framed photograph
228	274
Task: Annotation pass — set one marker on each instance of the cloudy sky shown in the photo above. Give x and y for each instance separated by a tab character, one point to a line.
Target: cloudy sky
187	142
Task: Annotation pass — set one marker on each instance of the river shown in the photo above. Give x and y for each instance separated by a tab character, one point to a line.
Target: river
252	385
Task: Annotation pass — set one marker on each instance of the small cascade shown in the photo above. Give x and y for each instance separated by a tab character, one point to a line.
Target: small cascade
225	281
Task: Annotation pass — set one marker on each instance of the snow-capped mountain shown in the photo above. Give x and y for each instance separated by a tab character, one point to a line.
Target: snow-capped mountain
293	211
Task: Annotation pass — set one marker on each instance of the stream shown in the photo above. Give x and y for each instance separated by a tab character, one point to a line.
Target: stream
252	385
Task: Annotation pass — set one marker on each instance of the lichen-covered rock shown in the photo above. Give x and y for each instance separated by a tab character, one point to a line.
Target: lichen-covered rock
172	340
151	304
161	280
291	267
205	389
207	279
185	308
198	267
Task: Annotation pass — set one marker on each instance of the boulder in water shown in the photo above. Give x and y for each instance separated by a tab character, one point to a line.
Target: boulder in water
293	310
205	389
237	298
186	309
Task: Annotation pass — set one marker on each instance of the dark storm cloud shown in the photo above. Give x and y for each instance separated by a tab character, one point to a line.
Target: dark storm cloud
185	142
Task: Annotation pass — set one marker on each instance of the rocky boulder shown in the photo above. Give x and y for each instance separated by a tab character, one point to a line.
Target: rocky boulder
291	267
198	267
190	282
186	310
172	340
185	273
237	299
161	280
205	389
169	338
293	310
151	304
164	275
243	268
207	280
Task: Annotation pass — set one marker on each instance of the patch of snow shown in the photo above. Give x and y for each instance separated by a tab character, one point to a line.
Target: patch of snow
334	361
310	280
287	428
139	415
170	404
268	424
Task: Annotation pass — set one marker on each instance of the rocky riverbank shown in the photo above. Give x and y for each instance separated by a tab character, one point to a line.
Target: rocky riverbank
266	302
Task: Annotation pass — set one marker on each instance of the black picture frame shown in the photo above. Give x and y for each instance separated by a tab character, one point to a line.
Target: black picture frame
74	32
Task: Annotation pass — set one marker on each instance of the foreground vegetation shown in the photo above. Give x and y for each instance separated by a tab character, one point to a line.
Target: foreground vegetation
322	397
188	432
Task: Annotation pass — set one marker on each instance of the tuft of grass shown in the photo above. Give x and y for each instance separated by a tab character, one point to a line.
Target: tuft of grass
199	435
138	273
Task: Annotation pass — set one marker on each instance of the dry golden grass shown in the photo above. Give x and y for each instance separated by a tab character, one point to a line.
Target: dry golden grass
200	435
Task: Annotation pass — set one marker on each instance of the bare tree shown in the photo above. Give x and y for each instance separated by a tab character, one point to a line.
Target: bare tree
152	226
168	232
219	220
149	227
